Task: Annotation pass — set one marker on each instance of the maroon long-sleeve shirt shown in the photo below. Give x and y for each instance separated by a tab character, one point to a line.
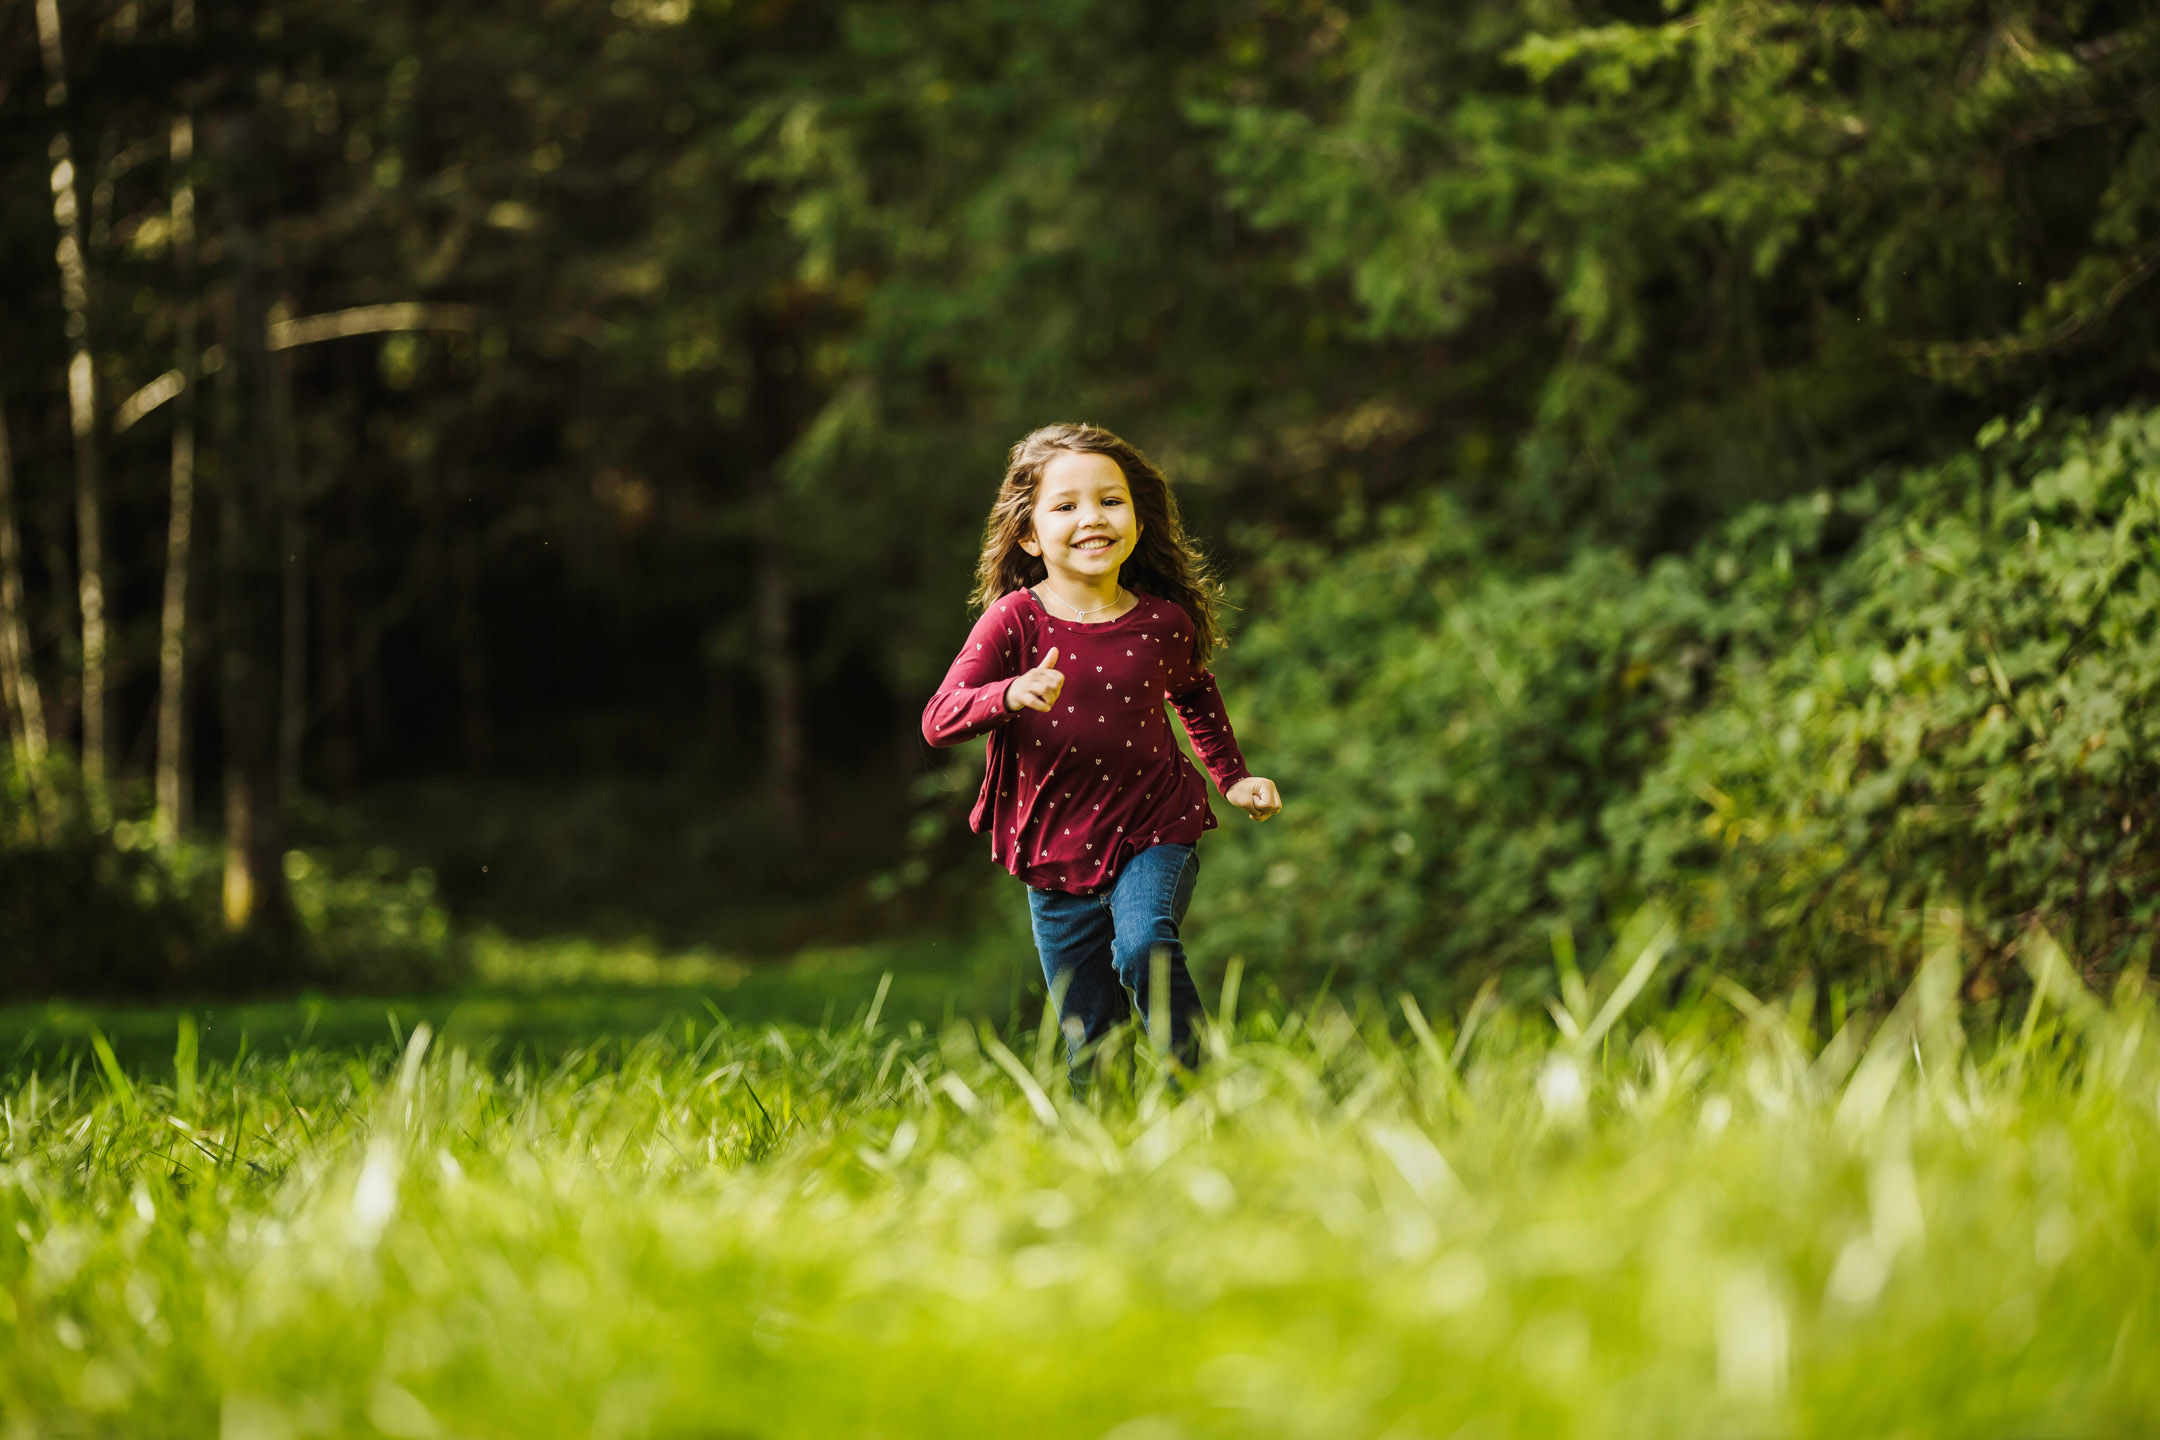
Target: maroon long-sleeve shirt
1069	795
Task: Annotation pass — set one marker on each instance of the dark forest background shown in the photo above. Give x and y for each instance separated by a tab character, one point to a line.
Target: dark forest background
518	465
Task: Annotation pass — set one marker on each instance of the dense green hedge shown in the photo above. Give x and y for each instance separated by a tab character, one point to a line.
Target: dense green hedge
1830	712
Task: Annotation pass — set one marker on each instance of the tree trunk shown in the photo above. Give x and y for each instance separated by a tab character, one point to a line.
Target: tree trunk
374	700
340	648
61	633
172	736
251	586
26	705
172	788
782	675
774	602
293	572
472	657
82	412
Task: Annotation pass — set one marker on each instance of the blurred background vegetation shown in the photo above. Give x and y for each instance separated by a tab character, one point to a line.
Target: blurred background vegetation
477	473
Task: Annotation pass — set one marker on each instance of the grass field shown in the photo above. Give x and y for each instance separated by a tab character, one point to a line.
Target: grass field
533	1000
1353	1222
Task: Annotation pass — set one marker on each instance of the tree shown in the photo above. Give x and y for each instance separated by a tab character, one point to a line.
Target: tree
1776	243
18	676
82	392
173	611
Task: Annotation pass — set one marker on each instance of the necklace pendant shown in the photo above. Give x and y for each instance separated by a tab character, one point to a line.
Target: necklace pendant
1083	614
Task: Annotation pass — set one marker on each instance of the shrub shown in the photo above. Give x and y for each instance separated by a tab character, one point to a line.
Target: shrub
373	928
85	917
85	912
1972	719
1831	710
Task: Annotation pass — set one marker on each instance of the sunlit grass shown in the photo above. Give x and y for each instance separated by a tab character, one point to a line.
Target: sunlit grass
1353	1222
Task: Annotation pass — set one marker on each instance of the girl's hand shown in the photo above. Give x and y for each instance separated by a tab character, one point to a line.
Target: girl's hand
1256	797
1038	689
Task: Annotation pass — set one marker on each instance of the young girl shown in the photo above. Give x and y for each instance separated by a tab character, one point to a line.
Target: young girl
1096	610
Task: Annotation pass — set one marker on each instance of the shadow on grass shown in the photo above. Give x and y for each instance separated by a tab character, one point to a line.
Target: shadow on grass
536	1000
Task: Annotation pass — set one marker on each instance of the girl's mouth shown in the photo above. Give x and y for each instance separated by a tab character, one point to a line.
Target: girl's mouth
1096	542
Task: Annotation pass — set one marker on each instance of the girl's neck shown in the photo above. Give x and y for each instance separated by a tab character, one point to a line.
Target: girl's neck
1087	596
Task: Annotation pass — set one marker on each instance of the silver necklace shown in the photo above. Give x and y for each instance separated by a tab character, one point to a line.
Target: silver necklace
1083	614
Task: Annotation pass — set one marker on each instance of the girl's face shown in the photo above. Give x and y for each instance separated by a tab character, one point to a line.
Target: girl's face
1084	523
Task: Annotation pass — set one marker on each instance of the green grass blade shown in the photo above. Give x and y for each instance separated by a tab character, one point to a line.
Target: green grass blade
184	1054
116	1079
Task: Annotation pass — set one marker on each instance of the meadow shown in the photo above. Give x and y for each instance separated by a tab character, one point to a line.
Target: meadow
1613	1215
486	491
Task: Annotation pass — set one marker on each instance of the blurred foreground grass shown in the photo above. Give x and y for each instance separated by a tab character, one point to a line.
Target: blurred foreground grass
1352	1223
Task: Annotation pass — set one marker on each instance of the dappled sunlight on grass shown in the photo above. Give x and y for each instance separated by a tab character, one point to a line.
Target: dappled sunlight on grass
576	960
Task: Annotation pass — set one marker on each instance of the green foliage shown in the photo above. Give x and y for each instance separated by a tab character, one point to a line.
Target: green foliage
1013	219
1833	710
1450	737
1777	238
733	309
1689	1225
373	929
683	862
1971	719
85	913
86	917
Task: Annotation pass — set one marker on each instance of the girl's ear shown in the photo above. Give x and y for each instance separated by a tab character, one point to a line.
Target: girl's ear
1029	543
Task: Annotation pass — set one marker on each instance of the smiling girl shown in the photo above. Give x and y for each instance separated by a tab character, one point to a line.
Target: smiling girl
1096	609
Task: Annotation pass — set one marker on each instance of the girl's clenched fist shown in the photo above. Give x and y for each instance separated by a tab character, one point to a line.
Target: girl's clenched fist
1257	797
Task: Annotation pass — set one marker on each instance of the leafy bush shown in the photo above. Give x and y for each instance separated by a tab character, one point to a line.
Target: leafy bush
84	912
373	928
83	917
1831	710
1973	719
1449	742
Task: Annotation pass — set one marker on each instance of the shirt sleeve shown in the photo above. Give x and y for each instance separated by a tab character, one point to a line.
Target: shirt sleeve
1199	704
972	699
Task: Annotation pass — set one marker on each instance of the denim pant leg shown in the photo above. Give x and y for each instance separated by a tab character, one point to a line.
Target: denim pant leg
1147	905
1072	936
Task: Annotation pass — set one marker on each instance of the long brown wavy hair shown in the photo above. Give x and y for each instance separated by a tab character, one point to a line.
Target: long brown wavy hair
1165	563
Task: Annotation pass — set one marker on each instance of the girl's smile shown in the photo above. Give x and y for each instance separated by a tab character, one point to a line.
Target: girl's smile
1083	525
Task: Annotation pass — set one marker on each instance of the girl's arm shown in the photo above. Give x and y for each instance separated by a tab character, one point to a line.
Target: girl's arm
1206	717
972	699
1207	720
1200	706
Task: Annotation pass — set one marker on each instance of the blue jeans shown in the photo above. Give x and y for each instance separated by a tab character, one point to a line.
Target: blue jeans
1096	947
